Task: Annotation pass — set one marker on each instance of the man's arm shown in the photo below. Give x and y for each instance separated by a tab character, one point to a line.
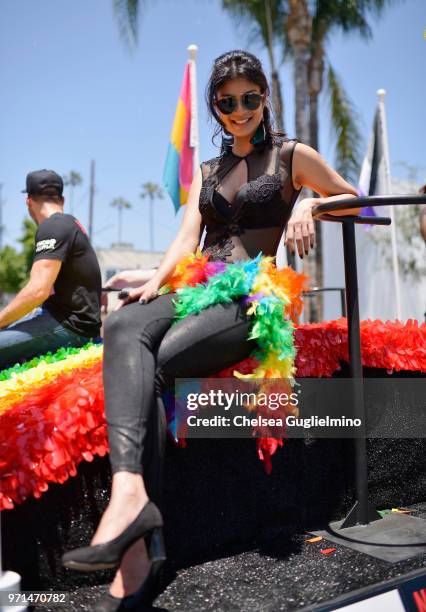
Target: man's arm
43	275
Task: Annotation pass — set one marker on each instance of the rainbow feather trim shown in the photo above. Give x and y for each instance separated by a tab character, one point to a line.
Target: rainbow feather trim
47	429
274	297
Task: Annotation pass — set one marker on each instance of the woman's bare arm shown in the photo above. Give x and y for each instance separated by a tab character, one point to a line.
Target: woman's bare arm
188	236
311	171
186	241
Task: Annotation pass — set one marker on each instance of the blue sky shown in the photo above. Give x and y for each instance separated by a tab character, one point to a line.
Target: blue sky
72	92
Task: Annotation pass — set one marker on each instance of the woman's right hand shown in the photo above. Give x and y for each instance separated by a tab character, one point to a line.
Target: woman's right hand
126	278
130	278
144	294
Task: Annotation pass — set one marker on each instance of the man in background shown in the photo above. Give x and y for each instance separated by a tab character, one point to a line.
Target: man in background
60	305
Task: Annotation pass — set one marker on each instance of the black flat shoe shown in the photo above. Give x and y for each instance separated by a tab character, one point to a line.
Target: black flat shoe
147	592
109	554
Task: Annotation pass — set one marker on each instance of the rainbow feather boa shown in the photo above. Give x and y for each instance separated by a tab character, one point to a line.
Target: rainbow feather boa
274	298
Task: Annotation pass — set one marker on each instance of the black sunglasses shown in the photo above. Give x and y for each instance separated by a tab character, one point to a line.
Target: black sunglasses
229	104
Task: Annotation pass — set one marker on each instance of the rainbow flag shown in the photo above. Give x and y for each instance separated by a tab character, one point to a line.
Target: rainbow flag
179	168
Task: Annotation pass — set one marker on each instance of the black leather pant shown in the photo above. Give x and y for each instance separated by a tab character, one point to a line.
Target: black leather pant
142	352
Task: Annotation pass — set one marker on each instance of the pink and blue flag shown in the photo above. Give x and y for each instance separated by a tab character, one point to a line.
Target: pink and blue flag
179	168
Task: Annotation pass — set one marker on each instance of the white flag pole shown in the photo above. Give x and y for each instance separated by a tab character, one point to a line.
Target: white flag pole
381	93
194	140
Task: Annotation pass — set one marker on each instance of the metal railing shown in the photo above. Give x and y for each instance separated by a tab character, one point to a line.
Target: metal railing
313	291
362	512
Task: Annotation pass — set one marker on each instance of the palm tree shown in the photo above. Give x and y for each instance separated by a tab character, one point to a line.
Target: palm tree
303	27
71	180
349	17
264	17
327	16
127	14
298	31
152	191
120	204
304	34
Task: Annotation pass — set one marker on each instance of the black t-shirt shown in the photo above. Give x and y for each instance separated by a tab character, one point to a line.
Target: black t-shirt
75	302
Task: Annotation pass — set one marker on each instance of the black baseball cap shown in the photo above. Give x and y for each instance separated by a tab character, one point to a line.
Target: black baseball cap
44	182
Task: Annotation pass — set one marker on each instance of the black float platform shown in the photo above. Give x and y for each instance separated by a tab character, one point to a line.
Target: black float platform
395	537
232	530
279	571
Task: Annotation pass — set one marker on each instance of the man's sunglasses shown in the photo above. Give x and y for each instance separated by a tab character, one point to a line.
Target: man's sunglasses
229	104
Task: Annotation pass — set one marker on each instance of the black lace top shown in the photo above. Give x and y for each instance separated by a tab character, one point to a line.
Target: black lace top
246	202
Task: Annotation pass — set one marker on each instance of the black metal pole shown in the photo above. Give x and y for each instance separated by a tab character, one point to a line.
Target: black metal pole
362	512
343	302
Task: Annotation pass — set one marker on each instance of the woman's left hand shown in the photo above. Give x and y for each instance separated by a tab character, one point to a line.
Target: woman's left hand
301	229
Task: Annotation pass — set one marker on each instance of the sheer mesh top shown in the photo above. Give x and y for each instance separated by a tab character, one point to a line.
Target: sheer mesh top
246	202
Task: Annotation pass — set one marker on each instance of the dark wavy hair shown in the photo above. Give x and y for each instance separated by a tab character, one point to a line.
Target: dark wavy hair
233	65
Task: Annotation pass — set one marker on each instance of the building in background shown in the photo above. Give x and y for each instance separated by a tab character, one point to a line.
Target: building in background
125	257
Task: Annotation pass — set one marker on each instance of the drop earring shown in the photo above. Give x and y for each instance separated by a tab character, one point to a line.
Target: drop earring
227	141
259	136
